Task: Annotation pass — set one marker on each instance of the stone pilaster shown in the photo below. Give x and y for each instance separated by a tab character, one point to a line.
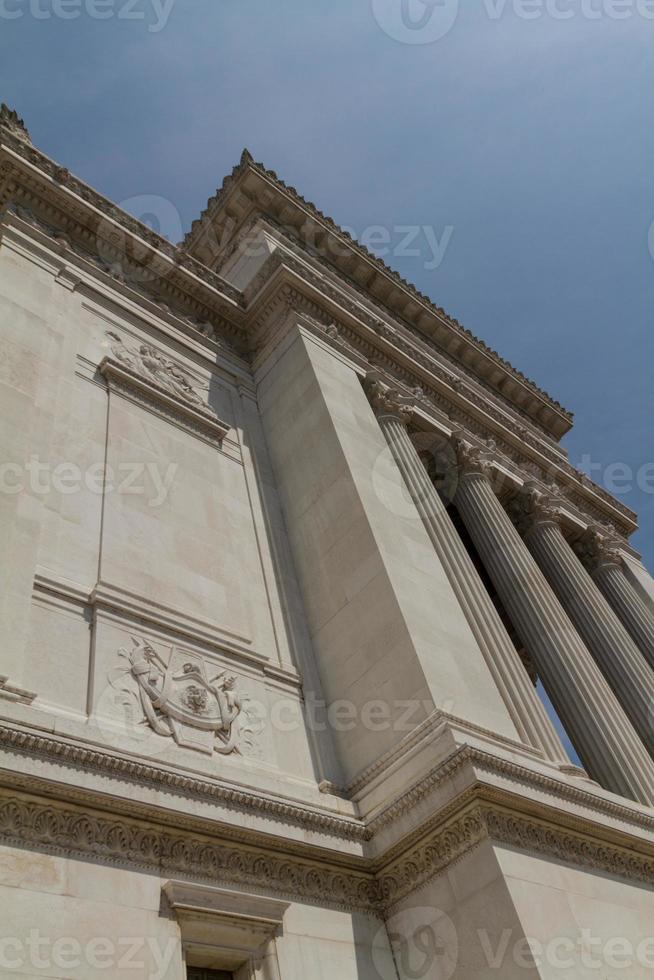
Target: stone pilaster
602	733
509	674
601	556
609	643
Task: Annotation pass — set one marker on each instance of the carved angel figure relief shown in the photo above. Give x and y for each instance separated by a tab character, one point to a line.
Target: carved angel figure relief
179	699
158	370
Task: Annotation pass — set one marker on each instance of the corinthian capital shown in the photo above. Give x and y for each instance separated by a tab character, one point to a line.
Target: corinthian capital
597	547
471	459
532	507
388	402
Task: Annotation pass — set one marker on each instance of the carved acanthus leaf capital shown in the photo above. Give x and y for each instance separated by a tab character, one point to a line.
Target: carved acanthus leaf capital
598	547
532	507
471	459
387	401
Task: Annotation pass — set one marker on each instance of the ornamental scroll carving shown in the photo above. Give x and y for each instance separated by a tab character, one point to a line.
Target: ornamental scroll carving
177	698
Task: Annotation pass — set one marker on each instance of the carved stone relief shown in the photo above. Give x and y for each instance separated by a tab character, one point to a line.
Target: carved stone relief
180	698
158	370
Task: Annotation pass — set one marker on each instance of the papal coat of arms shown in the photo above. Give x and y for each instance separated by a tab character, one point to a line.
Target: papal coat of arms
179	699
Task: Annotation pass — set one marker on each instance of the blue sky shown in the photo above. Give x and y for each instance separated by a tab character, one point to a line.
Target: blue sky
525	145
531	139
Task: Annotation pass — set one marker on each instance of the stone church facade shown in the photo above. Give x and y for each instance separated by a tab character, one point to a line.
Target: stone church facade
286	552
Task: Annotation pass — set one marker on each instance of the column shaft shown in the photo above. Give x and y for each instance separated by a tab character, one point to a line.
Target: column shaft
628	606
611	646
604	737
509	674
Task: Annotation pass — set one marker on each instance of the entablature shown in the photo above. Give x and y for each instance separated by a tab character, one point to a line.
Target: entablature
88	228
441	399
252	190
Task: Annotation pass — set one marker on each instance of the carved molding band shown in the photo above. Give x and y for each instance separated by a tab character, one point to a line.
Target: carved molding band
122	841
320	821
131	770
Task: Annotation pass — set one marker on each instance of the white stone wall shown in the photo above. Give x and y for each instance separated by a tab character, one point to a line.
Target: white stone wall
86	921
505	913
184	548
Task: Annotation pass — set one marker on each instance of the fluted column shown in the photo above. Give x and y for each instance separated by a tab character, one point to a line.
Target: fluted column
623	665
601	556
508	672
603	735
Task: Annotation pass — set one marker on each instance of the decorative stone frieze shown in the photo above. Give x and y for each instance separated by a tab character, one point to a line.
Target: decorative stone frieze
130	843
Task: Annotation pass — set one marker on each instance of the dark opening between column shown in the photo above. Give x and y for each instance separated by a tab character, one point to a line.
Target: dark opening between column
527	661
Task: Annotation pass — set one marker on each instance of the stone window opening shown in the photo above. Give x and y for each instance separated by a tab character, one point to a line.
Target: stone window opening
225	934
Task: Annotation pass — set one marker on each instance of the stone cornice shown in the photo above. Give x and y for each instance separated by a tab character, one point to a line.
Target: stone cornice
255	188
85	225
460	377
559	790
238	799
